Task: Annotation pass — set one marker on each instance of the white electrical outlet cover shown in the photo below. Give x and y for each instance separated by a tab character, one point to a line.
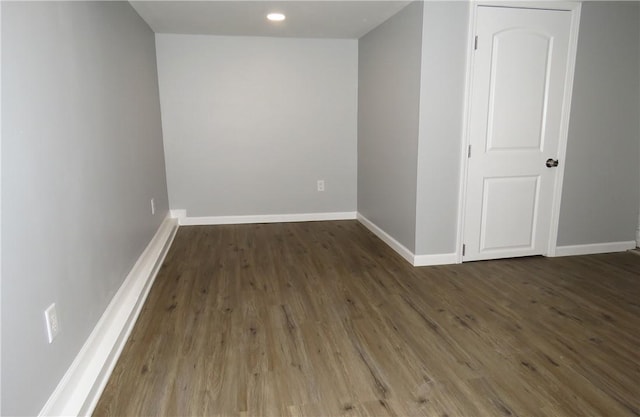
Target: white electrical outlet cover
51	319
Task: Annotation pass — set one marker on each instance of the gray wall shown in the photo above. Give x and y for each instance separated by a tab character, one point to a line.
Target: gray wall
444	55
250	124
388	115
600	191
81	157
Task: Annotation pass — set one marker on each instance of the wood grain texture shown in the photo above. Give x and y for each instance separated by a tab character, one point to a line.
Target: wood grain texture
323	319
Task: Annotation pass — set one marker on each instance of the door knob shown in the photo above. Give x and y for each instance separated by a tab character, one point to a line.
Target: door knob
551	163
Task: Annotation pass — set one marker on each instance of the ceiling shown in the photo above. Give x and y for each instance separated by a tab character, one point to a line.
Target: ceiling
305	18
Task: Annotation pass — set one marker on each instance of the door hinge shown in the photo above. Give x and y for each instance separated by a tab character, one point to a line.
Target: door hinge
464	249
475	43
469	152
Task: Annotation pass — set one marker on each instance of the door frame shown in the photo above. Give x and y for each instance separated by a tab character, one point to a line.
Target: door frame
575	9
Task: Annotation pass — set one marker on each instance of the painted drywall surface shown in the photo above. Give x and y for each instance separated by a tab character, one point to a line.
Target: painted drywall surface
250	124
600	191
388	112
638	228
444	60
81	158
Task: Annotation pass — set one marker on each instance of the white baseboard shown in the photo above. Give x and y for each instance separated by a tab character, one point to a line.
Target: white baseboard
265	218
81	386
415	260
386	238
594	248
638	238
435	259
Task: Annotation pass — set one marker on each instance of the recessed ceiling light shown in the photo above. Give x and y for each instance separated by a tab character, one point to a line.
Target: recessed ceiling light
276	17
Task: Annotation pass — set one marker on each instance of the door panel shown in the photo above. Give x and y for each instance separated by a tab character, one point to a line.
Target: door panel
518	84
518	124
510	215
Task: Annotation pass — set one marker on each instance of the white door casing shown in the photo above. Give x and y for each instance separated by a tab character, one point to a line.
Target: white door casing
516	122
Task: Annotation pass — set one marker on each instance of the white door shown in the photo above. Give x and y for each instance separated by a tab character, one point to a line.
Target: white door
518	84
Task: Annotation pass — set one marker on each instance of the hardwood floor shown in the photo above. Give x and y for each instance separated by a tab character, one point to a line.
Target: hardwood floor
323	319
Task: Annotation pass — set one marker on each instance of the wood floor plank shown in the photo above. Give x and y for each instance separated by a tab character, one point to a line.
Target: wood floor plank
323	319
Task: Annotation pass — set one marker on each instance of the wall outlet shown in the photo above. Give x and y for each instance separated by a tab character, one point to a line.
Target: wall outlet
153	206
320	185
51	318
